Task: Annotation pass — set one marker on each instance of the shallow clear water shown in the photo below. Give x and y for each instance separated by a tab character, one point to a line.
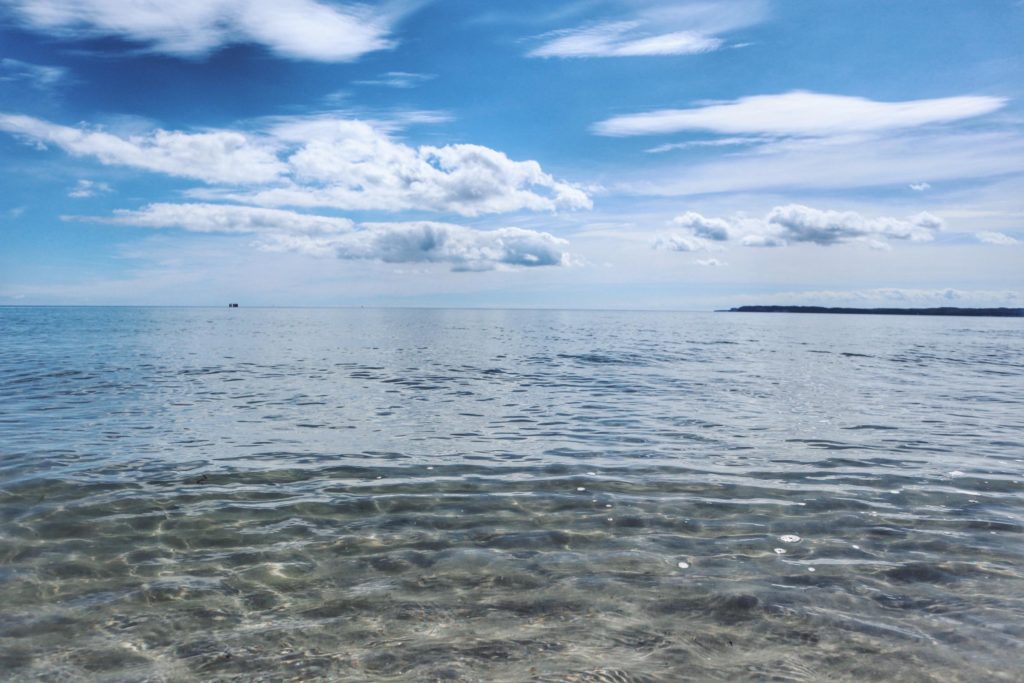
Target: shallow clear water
416	495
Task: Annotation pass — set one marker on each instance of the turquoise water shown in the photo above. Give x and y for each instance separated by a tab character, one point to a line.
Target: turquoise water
421	495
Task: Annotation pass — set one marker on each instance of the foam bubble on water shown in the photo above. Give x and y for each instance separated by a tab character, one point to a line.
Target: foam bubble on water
810	569
956	473
593	474
789	538
896	491
430	467
683	565
610	519
581	488
856	547
780	551
607	505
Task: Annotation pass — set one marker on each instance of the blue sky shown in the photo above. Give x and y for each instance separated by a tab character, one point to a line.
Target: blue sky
630	154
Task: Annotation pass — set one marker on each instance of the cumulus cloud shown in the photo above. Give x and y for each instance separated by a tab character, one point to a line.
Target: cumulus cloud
220	156
653	29
708	228
920	187
800	113
322	162
465	249
38	76
795	223
298	29
680	242
349	164
996	238
88	188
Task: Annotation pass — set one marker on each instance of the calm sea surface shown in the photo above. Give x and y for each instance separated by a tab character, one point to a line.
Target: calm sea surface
431	495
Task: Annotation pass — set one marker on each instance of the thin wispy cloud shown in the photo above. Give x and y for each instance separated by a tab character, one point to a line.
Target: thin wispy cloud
399	79
219	156
717	142
297	29
889	296
652	29
840	163
222	218
38	76
801	113
85	188
625	39
996	238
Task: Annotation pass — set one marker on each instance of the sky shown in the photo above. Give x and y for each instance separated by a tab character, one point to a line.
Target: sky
636	154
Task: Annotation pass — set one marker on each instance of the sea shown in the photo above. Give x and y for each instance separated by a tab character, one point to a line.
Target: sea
274	494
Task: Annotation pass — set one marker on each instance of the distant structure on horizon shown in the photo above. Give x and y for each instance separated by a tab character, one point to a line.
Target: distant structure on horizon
232	305
944	310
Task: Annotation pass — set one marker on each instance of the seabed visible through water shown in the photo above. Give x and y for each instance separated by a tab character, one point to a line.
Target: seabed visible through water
426	495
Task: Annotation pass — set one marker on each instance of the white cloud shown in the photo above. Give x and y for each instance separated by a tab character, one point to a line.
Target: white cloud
88	188
800	113
38	76
399	79
795	223
708	228
996	238
843	162
224	218
625	39
399	242
351	165
463	248
657	29
717	142
219	156
680	242
762	238
920	187
300	29
322	162
897	297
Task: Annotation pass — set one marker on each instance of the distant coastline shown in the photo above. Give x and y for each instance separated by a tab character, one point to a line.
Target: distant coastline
945	310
